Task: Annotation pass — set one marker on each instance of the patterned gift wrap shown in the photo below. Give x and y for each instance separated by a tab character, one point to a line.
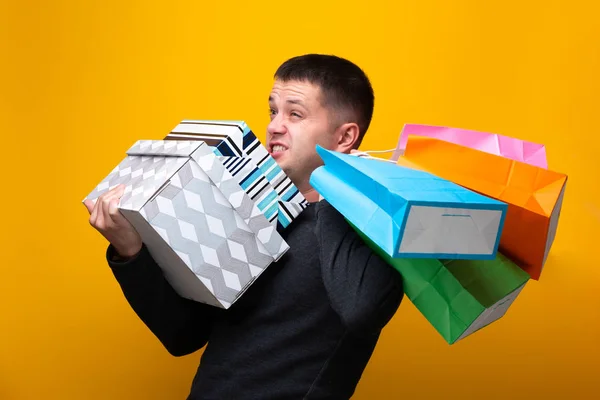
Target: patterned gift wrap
235	139
200	226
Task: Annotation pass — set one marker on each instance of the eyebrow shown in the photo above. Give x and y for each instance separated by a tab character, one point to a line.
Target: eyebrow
292	101
298	102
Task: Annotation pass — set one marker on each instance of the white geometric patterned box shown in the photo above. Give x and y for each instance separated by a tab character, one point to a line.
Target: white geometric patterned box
201	227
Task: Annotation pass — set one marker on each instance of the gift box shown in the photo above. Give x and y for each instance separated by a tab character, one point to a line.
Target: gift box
200	226
505	146
257	186
410	213
534	195
460	296
236	139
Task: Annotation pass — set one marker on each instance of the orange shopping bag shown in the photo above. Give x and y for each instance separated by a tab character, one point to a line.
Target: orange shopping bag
533	194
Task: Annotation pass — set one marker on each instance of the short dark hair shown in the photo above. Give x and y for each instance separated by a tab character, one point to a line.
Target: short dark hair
343	84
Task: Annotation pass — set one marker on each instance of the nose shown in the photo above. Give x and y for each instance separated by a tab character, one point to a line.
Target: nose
277	125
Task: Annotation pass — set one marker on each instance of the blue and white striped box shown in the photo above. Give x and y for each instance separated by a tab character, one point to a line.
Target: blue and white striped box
248	159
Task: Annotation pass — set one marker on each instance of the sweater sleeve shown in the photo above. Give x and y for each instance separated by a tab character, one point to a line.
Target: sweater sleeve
182	326
363	289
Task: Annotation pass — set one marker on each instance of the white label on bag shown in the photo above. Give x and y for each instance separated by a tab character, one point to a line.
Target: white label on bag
441	230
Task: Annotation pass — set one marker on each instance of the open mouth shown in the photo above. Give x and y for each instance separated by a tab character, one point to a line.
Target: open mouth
277	149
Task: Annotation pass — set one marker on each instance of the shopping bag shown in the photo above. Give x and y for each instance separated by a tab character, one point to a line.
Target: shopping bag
236	139
534	195
410	213
460	296
493	143
202	229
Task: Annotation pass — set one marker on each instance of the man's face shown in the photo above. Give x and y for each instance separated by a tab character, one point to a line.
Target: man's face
298	123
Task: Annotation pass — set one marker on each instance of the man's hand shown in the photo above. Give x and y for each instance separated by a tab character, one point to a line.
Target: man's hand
108	220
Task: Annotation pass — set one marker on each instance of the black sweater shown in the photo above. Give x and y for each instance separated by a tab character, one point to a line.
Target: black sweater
305	329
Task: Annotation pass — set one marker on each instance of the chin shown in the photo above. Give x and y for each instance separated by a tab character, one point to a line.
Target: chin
286	169
280	160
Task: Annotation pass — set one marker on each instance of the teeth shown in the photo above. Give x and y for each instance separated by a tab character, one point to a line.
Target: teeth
278	148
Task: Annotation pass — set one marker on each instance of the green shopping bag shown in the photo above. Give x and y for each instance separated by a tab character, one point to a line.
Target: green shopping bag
458	297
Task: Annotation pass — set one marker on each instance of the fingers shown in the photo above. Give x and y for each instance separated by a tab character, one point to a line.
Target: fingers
94	214
113	211
112	196
107	218
113	207
100	217
89	204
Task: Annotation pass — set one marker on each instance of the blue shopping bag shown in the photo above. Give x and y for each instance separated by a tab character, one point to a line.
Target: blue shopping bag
410	213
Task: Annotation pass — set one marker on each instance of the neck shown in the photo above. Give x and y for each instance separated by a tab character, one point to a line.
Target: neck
311	195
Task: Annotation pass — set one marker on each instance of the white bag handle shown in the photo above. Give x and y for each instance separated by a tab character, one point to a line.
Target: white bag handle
366	154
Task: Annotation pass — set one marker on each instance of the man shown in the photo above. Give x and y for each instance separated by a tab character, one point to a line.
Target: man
307	327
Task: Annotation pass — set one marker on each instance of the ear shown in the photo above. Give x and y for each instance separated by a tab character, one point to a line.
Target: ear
346	135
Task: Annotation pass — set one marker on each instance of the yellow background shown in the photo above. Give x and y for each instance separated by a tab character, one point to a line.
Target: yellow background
81	80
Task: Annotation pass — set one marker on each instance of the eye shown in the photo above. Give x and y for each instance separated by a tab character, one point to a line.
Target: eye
272	112
295	114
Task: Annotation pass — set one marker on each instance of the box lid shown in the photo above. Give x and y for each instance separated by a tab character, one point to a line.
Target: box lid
175	148
147	169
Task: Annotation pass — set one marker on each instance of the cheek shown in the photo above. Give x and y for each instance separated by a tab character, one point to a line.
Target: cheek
305	140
